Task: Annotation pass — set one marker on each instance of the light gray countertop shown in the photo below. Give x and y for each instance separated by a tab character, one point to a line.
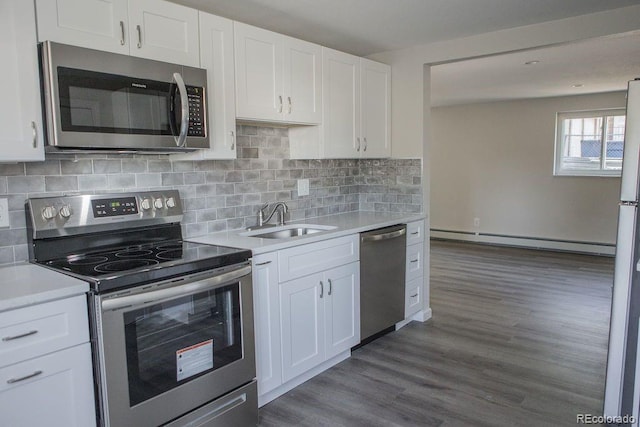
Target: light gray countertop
345	223
27	284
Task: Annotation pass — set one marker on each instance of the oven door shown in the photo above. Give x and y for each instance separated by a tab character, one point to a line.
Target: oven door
168	348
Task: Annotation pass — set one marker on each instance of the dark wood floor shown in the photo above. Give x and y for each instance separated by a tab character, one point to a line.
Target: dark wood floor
518	338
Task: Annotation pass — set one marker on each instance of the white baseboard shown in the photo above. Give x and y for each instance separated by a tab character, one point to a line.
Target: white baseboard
421	316
527	242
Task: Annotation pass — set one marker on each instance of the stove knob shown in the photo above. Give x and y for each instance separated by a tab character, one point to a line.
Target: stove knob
158	204
65	211
171	202
49	212
145	204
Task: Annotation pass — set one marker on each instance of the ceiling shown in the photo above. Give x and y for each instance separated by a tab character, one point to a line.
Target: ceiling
364	27
599	65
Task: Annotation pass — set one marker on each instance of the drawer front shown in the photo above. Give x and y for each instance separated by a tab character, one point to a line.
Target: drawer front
55	390
413	297
415	262
303	260
40	329
415	232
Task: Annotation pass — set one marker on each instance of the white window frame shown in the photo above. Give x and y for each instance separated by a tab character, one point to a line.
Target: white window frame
558	149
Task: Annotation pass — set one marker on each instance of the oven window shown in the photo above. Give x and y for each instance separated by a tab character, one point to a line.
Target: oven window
173	342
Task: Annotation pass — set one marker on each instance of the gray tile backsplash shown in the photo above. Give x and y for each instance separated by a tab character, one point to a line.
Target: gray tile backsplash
218	195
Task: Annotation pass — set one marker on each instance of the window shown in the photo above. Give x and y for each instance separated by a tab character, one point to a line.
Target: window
589	143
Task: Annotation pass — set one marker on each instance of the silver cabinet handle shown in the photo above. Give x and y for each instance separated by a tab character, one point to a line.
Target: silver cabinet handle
365	143
15	337
414	295
321	289
139	30
330	287
414	260
415	232
26	377
34	131
181	139
290	107
281	105
263	263
122	33
358	139
233	143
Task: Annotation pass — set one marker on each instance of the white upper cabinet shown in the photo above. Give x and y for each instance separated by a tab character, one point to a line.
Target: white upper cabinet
164	31
341	92
216	56
21	138
95	24
154	29
375	96
277	77
357	99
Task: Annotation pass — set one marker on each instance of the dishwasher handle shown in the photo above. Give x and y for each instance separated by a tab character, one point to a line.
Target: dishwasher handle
384	236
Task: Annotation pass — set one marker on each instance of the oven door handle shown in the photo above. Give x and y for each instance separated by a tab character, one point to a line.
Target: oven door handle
153	297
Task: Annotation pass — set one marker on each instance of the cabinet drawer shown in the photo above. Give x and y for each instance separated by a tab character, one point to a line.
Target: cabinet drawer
54	390
40	329
415	262
415	232
303	260
413	297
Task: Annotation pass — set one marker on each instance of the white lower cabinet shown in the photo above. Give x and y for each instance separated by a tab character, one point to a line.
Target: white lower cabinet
304	323
46	376
52	390
414	285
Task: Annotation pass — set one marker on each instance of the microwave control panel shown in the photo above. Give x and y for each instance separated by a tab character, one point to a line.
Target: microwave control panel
197	125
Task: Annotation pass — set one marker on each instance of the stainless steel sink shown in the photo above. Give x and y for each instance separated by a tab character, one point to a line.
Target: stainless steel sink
287	231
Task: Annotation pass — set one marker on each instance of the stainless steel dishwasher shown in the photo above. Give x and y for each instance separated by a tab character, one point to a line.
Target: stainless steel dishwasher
382	280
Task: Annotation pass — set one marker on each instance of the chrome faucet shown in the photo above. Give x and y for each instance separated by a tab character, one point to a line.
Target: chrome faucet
261	213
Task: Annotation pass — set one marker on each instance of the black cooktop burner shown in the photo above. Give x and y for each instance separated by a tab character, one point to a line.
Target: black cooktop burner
118	267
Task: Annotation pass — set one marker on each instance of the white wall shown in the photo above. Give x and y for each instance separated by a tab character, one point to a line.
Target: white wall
495	162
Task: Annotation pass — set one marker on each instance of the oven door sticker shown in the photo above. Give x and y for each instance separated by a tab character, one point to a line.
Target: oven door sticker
194	359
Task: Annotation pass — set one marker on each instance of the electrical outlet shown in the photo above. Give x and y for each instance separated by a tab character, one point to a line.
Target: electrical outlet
303	187
4	212
476	222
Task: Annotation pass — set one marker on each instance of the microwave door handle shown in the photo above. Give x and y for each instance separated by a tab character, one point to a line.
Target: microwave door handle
184	101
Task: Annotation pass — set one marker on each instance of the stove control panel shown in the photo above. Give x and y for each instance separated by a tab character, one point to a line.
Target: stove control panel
81	212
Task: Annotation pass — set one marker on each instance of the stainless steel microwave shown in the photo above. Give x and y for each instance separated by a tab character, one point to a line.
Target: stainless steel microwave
96	100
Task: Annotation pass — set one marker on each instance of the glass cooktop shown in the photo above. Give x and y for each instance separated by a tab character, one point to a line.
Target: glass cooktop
138	264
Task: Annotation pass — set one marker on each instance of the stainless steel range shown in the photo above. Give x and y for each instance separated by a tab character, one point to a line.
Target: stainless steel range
171	321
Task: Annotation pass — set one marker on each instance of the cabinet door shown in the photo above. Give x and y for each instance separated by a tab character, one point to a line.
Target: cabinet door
95	24
216	55
375	80
341	104
415	262
54	390
164	31
258	60
266	307
302	321
21	138
342	308
302	71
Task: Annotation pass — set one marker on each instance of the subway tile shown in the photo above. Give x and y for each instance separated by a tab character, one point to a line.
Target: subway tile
76	167
226	213
107	166
207	215
226	189
12	169
197	229
61	183
205	190
235	200
193	204
21	253
148	180
13	237
215	176
134	165
233	176
215	202
48	167
183	166
173	178
127	180
92	182
191	178
6	255
159	166
216	226
25	184
3	185
252	175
